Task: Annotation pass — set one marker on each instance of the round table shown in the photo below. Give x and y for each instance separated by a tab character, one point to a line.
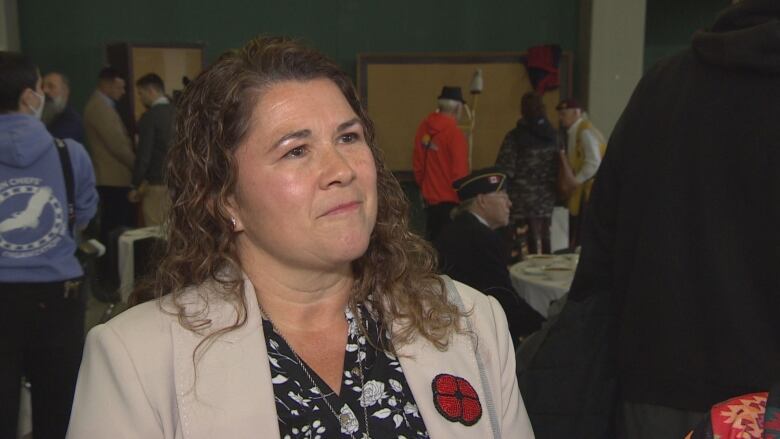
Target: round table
538	290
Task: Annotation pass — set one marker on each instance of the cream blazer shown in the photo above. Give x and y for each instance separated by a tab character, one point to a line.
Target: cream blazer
136	378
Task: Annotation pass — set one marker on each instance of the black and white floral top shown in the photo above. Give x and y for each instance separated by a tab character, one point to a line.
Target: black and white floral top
389	403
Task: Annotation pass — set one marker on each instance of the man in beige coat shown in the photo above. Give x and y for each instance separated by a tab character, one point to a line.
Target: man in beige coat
111	150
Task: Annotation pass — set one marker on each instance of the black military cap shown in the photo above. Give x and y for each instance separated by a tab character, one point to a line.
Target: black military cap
482	181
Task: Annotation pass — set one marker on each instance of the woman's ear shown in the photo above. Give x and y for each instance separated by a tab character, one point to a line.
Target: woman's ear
236	225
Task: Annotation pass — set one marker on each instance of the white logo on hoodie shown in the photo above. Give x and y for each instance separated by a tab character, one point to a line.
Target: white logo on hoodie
34	228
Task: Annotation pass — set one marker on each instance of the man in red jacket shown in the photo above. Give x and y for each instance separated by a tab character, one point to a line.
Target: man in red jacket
440	158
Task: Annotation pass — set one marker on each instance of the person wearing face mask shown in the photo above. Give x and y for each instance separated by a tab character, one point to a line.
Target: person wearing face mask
41	311
61	119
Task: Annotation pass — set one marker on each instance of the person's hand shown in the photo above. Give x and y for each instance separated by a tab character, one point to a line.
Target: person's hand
568	186
134	196
567	183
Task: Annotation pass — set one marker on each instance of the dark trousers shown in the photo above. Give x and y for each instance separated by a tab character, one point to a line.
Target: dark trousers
437	216
41	338
116	213
115	210
576	225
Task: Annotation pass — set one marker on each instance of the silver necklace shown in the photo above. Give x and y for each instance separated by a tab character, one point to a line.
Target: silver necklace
343	418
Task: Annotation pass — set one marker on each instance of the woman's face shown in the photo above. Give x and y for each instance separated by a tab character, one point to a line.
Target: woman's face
306	190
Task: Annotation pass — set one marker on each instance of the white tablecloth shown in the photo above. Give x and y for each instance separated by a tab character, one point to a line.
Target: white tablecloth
537	289
126	259
559	229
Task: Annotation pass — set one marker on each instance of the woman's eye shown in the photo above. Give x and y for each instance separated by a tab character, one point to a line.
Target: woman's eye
349	138
298	151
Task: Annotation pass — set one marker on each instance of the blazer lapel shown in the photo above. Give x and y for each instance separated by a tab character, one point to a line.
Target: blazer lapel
422	362
232	395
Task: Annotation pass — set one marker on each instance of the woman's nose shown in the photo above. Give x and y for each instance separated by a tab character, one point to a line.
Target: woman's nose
337	168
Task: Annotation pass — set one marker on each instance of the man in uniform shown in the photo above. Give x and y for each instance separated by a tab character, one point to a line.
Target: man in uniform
473	252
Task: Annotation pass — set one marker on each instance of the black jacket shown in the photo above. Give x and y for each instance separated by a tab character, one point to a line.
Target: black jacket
683	231
68	125
155	133
472	253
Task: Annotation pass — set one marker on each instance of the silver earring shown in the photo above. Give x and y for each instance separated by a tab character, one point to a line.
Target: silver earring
232	224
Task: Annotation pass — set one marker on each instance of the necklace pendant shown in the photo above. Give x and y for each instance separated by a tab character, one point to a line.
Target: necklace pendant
345	419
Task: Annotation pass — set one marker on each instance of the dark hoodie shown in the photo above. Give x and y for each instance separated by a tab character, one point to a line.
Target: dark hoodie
683	231
35	244
745	37
529	154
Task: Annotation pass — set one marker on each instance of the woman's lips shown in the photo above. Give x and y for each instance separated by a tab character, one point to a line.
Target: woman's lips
342	208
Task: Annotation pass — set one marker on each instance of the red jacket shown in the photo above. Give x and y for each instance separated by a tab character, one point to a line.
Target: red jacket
440	157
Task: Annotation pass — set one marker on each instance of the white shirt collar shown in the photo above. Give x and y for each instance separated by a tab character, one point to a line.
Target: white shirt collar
108	100
161	100
482	220
573	128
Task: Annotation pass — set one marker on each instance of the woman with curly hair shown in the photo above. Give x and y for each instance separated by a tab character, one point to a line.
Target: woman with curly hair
292	299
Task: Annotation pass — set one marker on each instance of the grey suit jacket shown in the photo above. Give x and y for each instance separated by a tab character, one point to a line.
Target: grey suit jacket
136	380
108	143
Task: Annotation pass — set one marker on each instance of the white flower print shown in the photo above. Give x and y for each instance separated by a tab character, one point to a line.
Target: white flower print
395	385
299	399
351	425
385	395
373	392
382	414
411	409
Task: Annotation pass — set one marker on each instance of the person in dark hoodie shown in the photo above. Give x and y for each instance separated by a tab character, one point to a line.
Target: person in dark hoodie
529	155
683	232
41	313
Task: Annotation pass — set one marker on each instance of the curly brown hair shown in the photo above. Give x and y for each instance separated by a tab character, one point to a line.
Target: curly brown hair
397	273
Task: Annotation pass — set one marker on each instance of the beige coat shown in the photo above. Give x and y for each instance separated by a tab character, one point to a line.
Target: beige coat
108	142
136	380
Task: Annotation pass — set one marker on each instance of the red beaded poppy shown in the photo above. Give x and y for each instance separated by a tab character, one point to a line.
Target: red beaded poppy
456	399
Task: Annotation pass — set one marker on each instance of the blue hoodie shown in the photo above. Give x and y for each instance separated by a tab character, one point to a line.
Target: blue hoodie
35	244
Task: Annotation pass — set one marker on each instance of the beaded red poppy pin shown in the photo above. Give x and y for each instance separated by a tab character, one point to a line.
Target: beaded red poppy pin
456	399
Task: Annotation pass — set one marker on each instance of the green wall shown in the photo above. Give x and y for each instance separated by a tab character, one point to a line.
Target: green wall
70	35
670	24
